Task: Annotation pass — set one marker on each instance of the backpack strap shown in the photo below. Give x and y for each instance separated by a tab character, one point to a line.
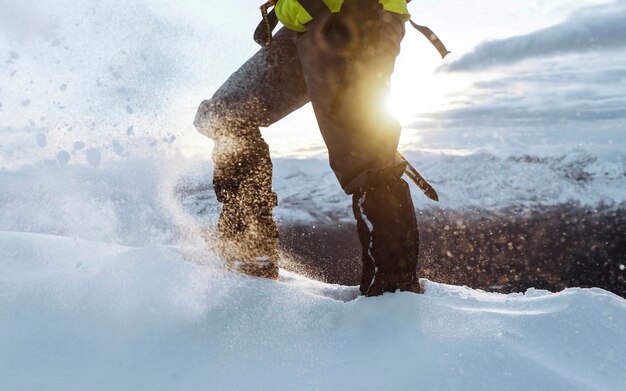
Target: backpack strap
315	8
432	38
263	32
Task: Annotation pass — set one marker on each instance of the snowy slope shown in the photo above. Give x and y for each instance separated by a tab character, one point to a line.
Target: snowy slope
308	191
106	283
78	314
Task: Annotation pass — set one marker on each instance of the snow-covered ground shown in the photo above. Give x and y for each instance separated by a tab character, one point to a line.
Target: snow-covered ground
106	283
85	315
106	275
309	193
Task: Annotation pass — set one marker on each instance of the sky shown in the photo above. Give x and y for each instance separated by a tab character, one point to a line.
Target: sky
115	76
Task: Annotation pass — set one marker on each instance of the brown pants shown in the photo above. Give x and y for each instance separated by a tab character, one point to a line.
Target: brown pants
342	65
345	77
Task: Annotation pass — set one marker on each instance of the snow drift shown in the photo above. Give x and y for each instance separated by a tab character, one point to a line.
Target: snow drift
77	314
106	283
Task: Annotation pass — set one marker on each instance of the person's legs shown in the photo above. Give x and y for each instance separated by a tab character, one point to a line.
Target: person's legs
265	89
388	233
347	60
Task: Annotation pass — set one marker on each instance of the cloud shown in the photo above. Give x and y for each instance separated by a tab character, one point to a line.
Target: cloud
597	28
545	105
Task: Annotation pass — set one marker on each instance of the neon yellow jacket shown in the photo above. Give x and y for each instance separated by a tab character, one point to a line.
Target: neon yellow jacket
294	16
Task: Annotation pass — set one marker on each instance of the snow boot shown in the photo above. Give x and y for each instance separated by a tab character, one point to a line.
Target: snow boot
388	233
247	233
248	240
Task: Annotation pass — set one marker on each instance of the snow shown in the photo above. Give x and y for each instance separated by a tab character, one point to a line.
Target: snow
107	283
79	314
107	278
308	191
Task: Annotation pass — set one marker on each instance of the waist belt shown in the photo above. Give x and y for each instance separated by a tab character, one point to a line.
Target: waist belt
316	8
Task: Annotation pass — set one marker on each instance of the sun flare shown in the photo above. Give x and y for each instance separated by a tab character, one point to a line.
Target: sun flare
413	95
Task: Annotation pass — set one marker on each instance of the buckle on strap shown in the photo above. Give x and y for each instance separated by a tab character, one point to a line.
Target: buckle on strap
263	32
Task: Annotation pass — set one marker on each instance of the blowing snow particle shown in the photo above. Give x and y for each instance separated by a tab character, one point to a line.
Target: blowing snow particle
63	157
117	147
42	141
93	157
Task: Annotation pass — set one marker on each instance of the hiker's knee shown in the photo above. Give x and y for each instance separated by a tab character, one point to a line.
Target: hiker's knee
226	116
211	118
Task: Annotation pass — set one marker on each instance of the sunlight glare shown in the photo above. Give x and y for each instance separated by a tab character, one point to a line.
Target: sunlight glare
425	94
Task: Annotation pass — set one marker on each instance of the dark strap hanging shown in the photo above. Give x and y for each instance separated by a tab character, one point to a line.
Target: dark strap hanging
315	8
263	32
432	37
418	179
